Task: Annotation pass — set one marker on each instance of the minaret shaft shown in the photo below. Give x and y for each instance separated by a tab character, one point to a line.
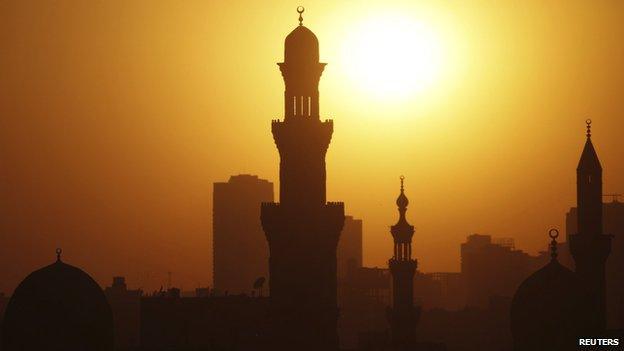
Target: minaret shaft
589	201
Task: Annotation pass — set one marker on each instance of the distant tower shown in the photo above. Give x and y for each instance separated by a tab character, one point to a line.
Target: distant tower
302	230
403	315
349	253
590	247
240	250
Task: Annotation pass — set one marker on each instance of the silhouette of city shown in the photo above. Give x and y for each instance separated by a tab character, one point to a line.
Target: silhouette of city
290	275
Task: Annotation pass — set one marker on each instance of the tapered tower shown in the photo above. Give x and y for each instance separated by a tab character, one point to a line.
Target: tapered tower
302	229
403	315
590	247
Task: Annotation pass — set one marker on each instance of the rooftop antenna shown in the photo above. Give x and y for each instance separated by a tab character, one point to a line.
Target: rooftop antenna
168	280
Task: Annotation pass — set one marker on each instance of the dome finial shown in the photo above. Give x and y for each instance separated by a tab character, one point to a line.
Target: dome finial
59	251
553	234
300	10
588	122
402	200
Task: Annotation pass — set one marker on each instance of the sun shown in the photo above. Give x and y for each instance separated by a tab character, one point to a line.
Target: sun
392	56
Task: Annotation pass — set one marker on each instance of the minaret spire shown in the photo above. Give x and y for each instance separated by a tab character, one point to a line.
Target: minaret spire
403	315
590	247
589	162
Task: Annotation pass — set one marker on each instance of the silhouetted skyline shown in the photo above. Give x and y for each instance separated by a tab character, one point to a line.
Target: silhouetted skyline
114	176
117	118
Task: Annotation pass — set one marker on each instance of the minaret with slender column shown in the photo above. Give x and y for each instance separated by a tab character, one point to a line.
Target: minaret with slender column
590	247
403	315
303	229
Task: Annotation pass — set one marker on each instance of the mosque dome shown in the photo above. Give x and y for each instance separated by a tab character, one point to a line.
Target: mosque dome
301	45
58	307
546	310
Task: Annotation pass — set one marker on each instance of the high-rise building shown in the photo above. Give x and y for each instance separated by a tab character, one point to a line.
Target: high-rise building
349	254
302	229
363	297
451	291
241	254
590	246
492	269
403	315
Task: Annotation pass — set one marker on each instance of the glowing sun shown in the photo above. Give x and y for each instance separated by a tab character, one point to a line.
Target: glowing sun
392	56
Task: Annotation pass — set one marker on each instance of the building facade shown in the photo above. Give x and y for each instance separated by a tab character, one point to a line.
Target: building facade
126	307
490	269
234	322
240	251
349	254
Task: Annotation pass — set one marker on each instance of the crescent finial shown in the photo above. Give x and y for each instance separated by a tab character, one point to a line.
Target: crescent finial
300	10
553	234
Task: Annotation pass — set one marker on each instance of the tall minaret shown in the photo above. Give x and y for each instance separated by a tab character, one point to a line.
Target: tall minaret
403	315
302	230
590	247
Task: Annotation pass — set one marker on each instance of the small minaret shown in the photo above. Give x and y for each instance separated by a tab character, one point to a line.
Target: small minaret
590	247
403	315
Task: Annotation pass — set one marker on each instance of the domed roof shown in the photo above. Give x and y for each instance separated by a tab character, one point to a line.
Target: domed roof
546	311
301	46
402	200
58	307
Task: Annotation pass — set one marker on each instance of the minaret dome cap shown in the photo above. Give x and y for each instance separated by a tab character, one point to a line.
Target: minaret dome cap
402	200
301	45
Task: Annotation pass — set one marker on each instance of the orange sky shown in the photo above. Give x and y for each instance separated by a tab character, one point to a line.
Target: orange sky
116	117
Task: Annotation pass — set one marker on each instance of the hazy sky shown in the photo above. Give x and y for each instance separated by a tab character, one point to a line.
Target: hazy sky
117	116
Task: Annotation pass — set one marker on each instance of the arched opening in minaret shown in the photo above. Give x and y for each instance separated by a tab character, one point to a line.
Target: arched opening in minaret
301	106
